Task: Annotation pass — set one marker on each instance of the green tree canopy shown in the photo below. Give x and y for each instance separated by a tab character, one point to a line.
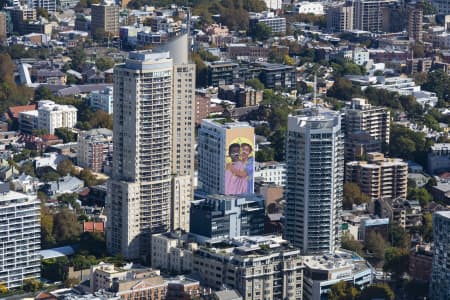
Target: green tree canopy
66	227
377	291
396	261
255	83
343	290
260	32
104	63
376	245
353	195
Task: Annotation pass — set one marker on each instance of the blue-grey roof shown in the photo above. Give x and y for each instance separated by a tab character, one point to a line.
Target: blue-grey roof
57	252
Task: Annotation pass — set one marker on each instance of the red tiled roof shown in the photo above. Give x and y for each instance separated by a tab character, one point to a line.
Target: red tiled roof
50	137
93	227
15	110
45	296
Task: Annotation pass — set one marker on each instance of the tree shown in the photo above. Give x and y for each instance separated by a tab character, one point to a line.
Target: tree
28	168
68	199
255	5
342	290
88	177
101	119
265	154
375	244
66	227
421	195
93	243
200	71
66	134
31	285
353	195
55	269
66	167
49	176
341	89
47	224
427	7
3	289
377	291
260	32
399	237
396	261
104	63
78	57
42	12
427	227
255	83
349	243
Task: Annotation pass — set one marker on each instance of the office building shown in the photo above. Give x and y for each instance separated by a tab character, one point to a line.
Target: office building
314	180
368	14
138	202
239	266
173	252
49	5
95	149
322	272
362	116
379	177
102	100
223	216
440	274
20	236
340	17
3	26
415	23
104	21
226	157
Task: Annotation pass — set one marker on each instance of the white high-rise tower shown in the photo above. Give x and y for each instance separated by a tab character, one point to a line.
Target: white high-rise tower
314	180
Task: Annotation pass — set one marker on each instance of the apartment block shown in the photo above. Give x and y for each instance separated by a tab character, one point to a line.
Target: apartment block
314	180
415	23
275	23
222	216
277	75
49	5
222	73
102	100
440	274
420	262
362	116
358	144
226	157
260	267
3	26
368	14
379	177
20	236
173	252
95	149
182	195
105	21
48	116
404	213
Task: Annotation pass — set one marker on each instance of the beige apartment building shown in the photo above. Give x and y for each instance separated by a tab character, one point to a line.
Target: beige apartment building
259	267
95	149
105	20
379	177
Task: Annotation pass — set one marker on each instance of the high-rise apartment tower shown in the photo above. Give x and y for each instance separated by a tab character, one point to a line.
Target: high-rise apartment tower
314	180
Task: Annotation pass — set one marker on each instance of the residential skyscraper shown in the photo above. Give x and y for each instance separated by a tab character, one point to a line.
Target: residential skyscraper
340	17
49	5
138	202
314	180
20	237
183	131
440	274
368	14
415	23
226	157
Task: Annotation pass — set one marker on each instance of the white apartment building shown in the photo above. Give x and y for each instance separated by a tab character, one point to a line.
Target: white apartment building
102	100
272	171
214	139
172	253
259	267
20	236
52	116
442	7
49	5
182	194
323	271
440	275
439	158
314	180
305	7
273	4
138	201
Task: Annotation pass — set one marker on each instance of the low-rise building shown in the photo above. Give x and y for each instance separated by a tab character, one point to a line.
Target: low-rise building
439	158
255	266
272	171
420	262
322	272
275	23
172	252
102	100
225	216
402	212
305	7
